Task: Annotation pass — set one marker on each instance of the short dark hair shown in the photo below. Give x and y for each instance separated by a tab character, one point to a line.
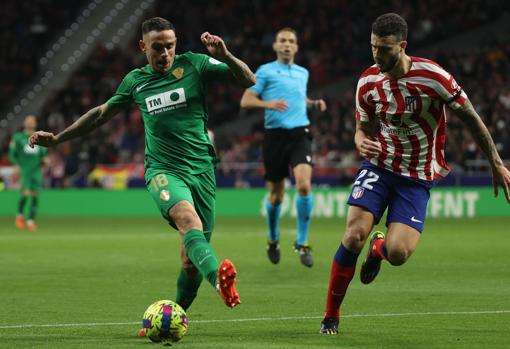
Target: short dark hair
390	24
286	29
156	24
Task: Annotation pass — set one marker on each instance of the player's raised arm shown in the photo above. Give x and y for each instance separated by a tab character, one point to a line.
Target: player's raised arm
482	136
218	50
89	121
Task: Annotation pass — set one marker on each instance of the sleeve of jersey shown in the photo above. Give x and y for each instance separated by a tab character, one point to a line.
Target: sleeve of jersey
123	96
364	110
450	92
213	70
260	85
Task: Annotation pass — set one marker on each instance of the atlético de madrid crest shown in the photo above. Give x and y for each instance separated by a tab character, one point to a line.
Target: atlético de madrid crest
411	103
178	72
357	192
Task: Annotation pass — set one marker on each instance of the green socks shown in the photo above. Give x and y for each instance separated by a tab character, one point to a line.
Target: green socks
33	208
187	288
201	255
21	204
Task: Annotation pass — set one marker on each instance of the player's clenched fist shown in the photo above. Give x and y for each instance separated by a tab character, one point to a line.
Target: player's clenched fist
215	45
46	139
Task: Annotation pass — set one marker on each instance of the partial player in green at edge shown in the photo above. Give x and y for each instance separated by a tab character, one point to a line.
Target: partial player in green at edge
28	162
179	157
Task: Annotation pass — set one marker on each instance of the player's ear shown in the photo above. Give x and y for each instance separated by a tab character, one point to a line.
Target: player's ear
274	47
403	45
141	44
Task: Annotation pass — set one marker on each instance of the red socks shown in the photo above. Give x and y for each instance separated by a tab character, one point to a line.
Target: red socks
342	271
339	280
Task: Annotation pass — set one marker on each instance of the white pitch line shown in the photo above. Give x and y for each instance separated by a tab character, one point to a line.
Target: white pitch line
93	324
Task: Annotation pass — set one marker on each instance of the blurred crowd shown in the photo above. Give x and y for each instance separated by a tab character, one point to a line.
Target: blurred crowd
334	45
484	74
26	30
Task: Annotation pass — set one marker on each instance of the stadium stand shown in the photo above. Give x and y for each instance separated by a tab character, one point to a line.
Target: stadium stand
333	45
27	27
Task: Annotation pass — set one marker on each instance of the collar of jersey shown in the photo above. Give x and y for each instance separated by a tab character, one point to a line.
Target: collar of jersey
286	66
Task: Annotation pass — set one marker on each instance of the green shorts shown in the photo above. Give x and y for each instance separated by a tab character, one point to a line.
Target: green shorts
32	181
168	188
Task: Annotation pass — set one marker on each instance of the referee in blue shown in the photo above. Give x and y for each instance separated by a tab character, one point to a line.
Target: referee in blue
281	90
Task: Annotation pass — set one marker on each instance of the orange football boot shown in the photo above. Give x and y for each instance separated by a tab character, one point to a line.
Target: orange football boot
31	226
227	284
20	223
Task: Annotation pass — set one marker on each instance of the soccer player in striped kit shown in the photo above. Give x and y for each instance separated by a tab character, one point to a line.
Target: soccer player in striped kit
281	89
400	131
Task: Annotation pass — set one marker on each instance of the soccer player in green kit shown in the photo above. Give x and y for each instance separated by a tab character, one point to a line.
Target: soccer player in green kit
28	162
179	158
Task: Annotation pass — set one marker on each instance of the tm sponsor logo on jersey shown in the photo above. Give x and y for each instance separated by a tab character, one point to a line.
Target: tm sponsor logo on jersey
166	101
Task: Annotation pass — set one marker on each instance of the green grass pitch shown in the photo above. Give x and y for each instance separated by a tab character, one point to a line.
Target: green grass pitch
85	283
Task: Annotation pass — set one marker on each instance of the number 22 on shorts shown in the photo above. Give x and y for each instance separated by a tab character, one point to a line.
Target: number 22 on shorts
369	177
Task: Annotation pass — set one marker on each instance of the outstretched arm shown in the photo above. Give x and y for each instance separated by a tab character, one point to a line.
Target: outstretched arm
218	50
89	121
482	136
250	99
316	104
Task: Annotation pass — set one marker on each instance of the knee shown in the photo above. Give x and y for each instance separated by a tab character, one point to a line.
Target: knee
276	197
355	238
398	256
186	218
304	189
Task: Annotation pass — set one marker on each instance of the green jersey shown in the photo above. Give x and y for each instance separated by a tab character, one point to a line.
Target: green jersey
174	112
27	158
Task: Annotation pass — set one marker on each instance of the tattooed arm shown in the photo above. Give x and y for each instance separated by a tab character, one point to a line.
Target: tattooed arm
243	74
475	125
89	121
217	48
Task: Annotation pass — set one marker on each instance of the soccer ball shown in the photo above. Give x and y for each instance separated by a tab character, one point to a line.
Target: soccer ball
165	321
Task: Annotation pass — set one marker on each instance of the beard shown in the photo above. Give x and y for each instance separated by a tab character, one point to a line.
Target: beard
392	61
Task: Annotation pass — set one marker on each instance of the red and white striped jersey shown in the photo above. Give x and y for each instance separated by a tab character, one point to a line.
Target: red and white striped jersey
410	111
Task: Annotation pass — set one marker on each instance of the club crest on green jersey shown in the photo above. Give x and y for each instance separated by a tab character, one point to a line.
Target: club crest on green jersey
178	72
165	101
164	195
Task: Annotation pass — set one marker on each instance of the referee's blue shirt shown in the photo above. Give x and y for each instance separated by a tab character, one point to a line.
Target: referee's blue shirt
288	82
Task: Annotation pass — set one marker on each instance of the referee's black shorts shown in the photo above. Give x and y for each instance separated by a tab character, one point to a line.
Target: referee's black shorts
284	148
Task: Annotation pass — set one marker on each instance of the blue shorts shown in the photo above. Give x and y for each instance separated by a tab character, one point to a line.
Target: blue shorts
376	189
